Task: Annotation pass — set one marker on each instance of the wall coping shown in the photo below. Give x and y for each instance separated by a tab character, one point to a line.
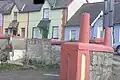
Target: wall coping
97	41
91	47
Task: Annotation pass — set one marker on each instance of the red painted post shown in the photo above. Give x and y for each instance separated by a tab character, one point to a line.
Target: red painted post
107	37
84	28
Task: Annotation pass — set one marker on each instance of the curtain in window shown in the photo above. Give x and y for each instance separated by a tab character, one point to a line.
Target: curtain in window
55	32
73	35
46	13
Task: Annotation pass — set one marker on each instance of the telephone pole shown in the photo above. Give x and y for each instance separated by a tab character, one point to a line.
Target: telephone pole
108	16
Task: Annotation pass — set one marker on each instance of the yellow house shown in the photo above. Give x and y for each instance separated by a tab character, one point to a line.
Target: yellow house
16	22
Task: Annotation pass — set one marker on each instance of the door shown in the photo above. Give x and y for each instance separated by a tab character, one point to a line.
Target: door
36	32
23	32
14	32
44	33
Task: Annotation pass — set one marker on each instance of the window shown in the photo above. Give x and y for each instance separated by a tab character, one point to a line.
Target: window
15	32
15	15
23	32
36	32
100	31
55	32
6	31
46	13
119	35
73	35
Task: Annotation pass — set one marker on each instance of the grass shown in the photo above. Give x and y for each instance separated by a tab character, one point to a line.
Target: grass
6	66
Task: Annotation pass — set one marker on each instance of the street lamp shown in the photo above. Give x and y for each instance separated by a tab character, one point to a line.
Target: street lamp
108	17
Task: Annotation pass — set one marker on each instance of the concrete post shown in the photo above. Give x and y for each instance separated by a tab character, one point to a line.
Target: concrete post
84	28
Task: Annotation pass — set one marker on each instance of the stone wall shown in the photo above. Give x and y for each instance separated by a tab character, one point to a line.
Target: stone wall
101	66
42	50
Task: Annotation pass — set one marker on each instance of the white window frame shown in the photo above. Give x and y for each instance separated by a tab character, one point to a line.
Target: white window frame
56	34
6	31
119	34
23	29
44	13
70	37
15	16
35	29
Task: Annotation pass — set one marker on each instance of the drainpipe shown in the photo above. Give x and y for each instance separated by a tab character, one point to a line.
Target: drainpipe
2	23
27	24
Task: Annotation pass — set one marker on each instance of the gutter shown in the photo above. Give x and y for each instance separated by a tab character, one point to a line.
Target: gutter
100	14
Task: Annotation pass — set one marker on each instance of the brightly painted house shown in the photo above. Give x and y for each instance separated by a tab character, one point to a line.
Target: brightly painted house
5	7
1	23
58	12
72	28
48	22
74	6
16	22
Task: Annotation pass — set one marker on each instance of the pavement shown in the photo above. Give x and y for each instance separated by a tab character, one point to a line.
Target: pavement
30	75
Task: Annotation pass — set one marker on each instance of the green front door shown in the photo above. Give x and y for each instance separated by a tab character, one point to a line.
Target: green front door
44	33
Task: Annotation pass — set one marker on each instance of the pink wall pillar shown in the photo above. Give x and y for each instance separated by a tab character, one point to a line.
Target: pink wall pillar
107	36
84	28
75	57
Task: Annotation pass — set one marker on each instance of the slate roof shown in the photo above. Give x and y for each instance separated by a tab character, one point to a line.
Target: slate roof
58	4
44	23
117	13
13	24
94	9
6	6
28	5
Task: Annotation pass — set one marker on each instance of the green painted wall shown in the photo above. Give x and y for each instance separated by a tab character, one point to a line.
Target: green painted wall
54	15
34	19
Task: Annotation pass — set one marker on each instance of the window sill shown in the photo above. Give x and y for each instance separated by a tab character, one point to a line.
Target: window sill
55	38
45	18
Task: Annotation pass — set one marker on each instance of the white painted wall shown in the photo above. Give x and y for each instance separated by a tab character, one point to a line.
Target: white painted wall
74	6
18	54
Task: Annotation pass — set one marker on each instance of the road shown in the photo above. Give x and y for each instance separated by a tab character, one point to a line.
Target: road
51	74
116	67
29	75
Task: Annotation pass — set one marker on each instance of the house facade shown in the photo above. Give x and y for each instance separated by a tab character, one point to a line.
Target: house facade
4	9
72	28
48	22
1	23
54	13
15	23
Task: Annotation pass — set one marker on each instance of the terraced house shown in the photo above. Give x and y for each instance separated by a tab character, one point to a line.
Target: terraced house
5	8
48	22
26	19
16	20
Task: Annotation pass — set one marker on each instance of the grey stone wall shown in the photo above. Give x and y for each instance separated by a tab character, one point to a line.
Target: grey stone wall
43	51
101	66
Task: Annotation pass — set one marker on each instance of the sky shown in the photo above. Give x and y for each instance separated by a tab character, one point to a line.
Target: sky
91	1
